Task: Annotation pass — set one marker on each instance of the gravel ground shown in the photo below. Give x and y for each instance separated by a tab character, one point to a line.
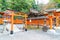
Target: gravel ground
29	35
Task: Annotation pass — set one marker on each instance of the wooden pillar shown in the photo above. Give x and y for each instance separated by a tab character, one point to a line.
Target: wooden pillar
45	21
12	18
57	23
50	18
25	22
30	22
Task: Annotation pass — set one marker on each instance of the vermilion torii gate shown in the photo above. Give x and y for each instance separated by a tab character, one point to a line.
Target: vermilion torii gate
12	18
56	15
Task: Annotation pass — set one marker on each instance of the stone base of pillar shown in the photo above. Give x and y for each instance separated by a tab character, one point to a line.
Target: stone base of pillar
25	29
11	32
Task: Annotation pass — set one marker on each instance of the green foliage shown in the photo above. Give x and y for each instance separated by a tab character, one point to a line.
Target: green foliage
4	5
18	5
21	5
57	3
35	6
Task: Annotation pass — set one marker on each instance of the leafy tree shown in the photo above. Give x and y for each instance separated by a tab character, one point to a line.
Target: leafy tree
35	6
4	7
57	3
18	5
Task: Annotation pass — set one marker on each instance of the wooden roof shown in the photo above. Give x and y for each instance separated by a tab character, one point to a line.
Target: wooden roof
42	17
33	11
2	13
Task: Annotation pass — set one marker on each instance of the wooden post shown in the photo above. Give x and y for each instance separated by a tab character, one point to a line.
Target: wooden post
30	22
45	21
50	22
25	22
57	23
12	17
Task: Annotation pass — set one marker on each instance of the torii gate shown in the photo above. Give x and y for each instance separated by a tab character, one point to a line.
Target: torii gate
12	18
56	15
53	14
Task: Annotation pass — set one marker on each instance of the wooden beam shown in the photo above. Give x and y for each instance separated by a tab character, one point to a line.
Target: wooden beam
57	23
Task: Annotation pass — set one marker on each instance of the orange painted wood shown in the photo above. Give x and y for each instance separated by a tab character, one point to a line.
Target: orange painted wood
51	22
12	21
56	13
57	21
1	21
